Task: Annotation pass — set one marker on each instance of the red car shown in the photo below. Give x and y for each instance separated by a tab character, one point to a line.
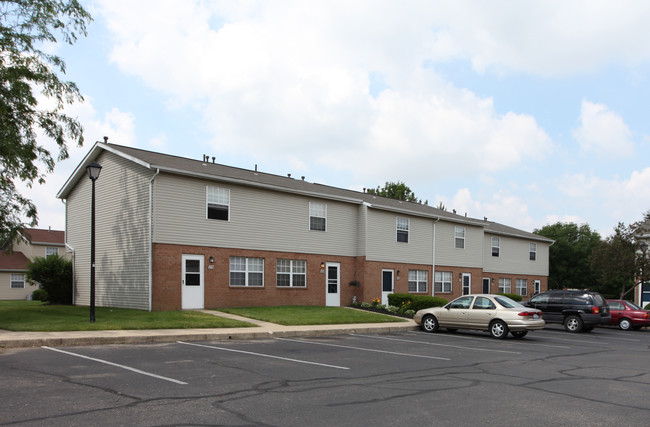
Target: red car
628	315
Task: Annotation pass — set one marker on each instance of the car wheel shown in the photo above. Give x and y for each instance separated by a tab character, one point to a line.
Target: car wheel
573	323
625	324
498	329
519	334
429	323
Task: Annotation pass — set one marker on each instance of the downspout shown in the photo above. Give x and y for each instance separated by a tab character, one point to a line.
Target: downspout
433	261
151	236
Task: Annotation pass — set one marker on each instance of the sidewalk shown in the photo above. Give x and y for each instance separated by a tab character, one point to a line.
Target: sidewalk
9	339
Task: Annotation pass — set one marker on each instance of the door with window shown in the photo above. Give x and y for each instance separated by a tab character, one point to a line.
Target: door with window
333	284
467	283
192	282
386	285
486	285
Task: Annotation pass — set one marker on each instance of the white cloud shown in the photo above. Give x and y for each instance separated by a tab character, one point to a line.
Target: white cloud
603	131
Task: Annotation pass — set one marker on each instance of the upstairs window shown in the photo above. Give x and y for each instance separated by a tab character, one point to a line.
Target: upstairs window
246	271
51	251
218	203
402	230
495	246
291	273
533	251
418	280
317	216
459	237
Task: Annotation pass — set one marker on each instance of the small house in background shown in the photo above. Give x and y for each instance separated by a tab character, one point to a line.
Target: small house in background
177	233
33	242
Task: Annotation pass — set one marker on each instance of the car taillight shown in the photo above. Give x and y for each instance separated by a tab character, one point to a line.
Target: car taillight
645	316
595	310
530	313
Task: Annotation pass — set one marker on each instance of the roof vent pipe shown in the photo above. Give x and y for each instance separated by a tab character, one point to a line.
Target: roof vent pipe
105	140
289	175
213	159
255	167
303	177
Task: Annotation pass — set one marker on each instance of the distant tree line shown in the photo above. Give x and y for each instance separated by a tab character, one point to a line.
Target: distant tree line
581	258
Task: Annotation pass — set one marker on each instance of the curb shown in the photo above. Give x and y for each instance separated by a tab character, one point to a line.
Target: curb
166	336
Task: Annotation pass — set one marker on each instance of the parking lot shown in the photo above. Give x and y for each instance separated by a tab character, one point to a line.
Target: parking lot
597	378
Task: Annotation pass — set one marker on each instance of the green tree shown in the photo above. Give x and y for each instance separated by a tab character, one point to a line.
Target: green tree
395	190
25	26
615	260
569	256
53	274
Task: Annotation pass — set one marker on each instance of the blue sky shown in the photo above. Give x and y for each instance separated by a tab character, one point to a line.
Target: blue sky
527	113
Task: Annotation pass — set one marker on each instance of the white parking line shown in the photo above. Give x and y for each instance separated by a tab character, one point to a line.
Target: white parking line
436	344
106	362
363	349
262	355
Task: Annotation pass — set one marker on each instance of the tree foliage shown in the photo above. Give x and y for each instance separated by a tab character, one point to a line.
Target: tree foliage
26	69
614	261
54	275
395	190
569	256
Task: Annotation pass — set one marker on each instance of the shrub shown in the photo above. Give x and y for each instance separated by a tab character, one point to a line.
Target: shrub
39	295
647	307
514	297
415	302
54	276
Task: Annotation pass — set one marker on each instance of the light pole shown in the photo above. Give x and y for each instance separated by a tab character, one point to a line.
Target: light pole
644	248
93	173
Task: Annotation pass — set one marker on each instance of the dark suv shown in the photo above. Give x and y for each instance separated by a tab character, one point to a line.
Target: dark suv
577	310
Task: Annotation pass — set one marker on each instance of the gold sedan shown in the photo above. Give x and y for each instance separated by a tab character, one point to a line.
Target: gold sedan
495	314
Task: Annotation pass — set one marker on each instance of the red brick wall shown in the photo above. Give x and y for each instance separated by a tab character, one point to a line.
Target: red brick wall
167	270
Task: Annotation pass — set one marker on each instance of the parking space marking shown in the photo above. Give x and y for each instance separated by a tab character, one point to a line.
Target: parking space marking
263	355
363	349
474	338
437	344
117	365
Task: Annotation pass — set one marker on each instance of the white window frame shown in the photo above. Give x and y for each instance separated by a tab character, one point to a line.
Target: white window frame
443	282
522	287
17	281
49	250
218	197
250	267
459	237
295	270
402	226
537	287
317	210
505	285
532	252
418	281
495	242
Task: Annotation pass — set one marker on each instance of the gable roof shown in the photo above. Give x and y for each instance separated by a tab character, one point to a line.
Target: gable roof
13	261
254	178
45	237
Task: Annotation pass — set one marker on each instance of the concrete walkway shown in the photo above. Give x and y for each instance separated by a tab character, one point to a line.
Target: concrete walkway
9	339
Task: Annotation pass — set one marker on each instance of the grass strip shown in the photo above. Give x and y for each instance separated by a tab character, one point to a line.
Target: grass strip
310	315
38	317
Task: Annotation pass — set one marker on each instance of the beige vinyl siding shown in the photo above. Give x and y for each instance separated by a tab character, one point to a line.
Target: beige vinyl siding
122	248
9	293
446	252
382	242
514	256
362	230
259	219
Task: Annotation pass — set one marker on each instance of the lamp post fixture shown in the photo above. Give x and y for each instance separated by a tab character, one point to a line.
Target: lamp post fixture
93	173
644	248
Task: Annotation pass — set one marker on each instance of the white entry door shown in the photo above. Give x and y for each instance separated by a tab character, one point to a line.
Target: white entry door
333	284
386	285
192	282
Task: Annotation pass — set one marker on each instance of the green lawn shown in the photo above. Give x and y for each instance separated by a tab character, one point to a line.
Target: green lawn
310	315
36	316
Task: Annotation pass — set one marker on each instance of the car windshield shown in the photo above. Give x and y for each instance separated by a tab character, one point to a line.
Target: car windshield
508	303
